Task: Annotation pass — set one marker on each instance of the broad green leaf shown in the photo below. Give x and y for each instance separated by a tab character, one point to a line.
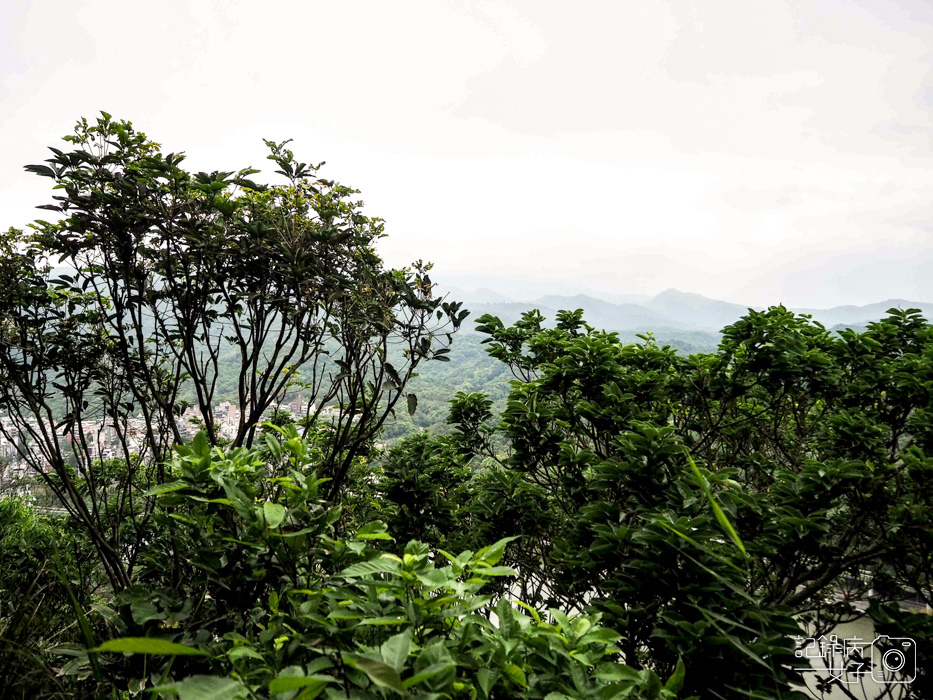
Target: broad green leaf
395	650
617	672
379	672
495	571
492	554
534	613
241	651
375	566
384	620
199	445
340	615
274	513
412	404
676	681
273	445
561	620
167	488
221	501
310	692
286	683
375	530
322	663
600	635
516	675
210	688
106	612
143	611
428	672
296	533
276	428
148	645
487	679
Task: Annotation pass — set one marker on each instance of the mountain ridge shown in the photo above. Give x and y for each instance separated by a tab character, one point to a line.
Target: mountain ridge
670	309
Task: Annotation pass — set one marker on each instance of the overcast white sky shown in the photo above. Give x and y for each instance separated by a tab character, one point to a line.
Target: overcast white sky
758	152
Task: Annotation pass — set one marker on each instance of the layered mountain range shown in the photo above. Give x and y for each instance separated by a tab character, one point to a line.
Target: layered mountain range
671	310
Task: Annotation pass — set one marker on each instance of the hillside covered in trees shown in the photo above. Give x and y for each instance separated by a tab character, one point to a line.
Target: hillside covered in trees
589	515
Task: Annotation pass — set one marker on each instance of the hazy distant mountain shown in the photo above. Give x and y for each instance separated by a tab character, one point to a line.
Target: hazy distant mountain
486	295
613	317
668	311
525	290
622	298
483	295
859	315
597	312
714	314
696	309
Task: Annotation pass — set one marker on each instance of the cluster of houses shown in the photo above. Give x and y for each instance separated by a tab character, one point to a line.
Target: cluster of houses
100	438
227	416
103	442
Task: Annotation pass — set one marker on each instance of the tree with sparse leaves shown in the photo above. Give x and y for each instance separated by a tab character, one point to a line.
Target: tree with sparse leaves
169	274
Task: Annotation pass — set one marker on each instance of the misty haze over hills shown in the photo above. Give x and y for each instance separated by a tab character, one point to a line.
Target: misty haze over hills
671	310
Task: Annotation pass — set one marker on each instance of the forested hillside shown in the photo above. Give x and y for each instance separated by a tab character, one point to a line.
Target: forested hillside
472	370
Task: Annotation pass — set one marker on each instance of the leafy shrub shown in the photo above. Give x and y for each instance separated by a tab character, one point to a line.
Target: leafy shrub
271	604
43	564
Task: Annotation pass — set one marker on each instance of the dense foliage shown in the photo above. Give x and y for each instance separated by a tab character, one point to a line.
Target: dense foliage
628	522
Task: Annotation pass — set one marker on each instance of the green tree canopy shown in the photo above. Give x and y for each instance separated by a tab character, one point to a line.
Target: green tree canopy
168	275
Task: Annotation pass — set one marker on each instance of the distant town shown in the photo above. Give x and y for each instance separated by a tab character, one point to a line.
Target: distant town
102	442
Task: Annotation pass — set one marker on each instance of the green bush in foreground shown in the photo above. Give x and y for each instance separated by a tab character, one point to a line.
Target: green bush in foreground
273	605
